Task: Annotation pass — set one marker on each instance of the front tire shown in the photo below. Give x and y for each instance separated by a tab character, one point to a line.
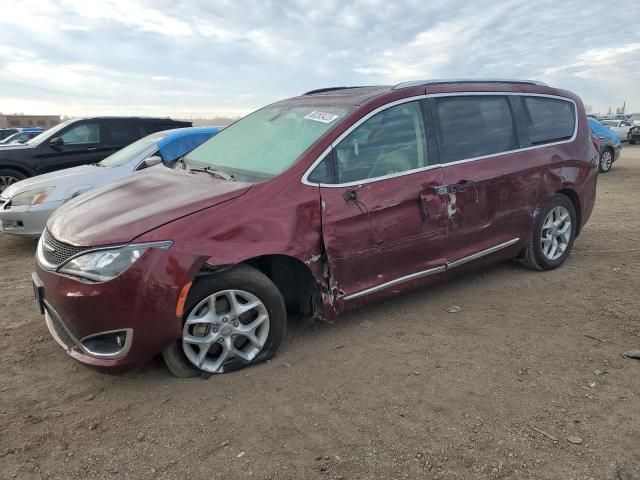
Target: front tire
232	319
553	235
606	161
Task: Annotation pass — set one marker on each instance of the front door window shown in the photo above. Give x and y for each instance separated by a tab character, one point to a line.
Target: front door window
84	133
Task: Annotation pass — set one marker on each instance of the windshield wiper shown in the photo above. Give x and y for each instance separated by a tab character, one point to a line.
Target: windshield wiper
212	172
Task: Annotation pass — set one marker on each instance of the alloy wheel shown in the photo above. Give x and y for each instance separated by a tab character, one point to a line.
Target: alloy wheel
556	233
225	325
606	160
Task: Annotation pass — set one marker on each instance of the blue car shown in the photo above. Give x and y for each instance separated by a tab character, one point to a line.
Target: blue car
610	144
25	206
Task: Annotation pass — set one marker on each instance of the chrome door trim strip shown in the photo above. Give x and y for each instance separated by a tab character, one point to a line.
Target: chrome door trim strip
305	180
397	281
481	254
431	271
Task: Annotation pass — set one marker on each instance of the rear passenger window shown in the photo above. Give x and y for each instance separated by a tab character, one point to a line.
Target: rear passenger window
550	119
125	133
474	126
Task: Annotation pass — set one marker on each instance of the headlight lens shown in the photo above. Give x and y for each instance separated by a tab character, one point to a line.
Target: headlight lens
31	197
103	265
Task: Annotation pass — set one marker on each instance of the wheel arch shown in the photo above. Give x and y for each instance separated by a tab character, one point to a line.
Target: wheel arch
575	200
18	168
294	279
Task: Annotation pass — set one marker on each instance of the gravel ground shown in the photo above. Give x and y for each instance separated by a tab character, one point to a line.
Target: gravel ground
403	389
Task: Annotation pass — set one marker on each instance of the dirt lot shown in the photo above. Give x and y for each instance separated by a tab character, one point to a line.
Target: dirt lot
404	389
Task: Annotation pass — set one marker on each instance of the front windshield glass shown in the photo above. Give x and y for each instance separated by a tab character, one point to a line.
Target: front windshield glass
268	141
131	152
47	134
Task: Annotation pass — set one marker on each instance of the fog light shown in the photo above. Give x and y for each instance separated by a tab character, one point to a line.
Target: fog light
108	345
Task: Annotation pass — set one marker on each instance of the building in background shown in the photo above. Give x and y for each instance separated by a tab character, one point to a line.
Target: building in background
44	121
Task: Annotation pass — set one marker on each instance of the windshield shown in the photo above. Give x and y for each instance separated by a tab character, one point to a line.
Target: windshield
268	141
35	141
131	152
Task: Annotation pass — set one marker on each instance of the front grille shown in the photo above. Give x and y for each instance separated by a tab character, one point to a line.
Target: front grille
55	252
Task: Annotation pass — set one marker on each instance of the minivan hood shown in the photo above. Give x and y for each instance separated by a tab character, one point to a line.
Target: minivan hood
121	211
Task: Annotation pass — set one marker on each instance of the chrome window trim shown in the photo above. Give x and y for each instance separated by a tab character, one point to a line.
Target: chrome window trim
322	156
432	271
335	143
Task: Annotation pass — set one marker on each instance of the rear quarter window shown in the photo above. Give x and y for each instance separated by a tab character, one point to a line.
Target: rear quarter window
550	119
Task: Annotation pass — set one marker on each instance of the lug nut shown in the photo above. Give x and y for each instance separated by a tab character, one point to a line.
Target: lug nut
221	340
215	329
236	323
233	336
225	319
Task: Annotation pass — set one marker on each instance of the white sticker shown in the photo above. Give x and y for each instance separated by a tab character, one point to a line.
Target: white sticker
321	117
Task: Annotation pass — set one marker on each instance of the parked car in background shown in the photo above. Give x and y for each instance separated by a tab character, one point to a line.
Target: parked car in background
6	132
621	127
315	205
22	136
610	144
634	135
634	118
76	142
25	206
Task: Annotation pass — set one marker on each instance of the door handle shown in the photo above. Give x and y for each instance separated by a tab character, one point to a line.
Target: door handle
424	207
464	185
92	149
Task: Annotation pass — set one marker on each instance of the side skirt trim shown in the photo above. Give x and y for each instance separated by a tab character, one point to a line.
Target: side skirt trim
431	271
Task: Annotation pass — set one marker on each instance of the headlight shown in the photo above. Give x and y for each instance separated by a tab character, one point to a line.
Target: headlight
31	197
103	265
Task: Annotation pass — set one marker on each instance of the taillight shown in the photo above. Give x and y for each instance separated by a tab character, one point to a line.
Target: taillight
596	142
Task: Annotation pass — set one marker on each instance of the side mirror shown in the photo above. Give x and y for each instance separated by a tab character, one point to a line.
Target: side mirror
56	142
153	160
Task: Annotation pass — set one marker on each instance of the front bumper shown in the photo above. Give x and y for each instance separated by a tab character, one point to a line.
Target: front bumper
27	221
141	302
616	152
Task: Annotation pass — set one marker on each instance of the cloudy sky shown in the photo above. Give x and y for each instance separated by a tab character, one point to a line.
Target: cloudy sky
198	58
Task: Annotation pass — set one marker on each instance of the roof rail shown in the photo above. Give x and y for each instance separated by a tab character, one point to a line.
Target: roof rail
420	83
329	89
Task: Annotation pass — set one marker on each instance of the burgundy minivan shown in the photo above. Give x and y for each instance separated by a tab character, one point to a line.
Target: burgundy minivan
316	205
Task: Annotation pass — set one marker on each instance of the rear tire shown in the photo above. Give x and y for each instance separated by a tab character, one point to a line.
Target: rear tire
212	348
552	238
606	161
9	177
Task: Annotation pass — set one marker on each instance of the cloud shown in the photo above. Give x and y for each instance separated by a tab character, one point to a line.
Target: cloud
194	57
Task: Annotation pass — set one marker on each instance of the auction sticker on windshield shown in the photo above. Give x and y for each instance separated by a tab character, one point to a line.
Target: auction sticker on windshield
321	117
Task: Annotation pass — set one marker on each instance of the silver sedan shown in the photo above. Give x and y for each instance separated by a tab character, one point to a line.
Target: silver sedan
25	206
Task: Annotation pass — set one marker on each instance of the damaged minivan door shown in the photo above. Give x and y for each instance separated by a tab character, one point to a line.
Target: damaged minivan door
384	215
